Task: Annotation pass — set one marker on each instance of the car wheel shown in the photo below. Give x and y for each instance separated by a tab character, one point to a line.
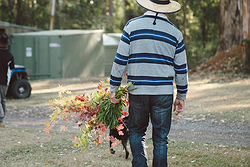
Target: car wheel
21	89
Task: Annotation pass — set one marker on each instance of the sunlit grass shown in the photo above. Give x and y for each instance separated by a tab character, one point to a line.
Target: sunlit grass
228	100
27	148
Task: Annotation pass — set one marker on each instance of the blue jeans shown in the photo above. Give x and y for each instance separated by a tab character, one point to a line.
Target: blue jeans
159	109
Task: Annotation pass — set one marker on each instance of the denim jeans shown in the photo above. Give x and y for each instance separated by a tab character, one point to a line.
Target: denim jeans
159	109
3	90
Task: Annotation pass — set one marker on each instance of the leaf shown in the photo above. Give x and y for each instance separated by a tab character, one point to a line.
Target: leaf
47	124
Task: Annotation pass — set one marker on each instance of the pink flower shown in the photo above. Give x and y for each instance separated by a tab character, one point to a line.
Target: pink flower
114	144
120	127
112	139
107	138
120	133
46	130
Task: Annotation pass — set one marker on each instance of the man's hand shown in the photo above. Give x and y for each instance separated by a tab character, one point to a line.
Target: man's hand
113	99
178	106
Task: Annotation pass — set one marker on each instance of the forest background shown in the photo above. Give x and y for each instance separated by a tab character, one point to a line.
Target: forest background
199	20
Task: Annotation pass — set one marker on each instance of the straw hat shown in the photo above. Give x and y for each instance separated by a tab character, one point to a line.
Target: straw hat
160	6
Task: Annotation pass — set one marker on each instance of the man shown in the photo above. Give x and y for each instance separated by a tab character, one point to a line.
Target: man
153	50
6	61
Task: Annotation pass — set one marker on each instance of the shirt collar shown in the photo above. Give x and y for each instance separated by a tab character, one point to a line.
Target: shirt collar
154	13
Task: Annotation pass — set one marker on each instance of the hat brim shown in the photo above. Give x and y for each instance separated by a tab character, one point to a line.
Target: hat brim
172	7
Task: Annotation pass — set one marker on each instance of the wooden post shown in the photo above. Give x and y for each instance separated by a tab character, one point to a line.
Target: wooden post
52	14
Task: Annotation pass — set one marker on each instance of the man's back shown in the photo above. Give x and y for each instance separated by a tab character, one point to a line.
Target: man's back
155	54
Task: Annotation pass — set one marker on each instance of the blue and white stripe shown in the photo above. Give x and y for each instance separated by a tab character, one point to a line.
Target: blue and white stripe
150	58
125	37
180	69
150	81
182	89
153	35
120	59
154	56
180	48
116	81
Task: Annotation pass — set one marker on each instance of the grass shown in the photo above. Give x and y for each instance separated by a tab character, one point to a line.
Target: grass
218	101
207	100
27	148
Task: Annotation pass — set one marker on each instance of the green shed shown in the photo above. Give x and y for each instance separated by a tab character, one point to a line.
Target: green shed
62	53
110	43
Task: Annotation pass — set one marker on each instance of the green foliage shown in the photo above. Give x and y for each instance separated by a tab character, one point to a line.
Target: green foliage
132	9
198	19
81	14
201	31
28	13
109	112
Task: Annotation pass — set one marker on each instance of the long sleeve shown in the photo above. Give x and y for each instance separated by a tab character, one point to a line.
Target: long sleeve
120	62
181	70
11	65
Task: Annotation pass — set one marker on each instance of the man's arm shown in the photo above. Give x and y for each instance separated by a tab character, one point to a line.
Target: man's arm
11	63
119	64
181	76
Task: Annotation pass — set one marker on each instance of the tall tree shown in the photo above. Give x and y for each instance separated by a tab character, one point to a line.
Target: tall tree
29	12
230	24
19	12
235	26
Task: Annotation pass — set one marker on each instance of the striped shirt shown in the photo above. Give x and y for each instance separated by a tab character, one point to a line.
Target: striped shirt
154	55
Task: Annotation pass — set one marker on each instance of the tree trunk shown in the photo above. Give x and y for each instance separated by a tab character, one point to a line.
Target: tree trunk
11	5
19	13
235	27
111	11
230	24
246	34
57	15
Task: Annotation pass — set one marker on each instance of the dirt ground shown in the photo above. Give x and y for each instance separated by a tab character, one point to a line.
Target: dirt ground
228	61
216	112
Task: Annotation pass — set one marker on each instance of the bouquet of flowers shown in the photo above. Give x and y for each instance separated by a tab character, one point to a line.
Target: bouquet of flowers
93	113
